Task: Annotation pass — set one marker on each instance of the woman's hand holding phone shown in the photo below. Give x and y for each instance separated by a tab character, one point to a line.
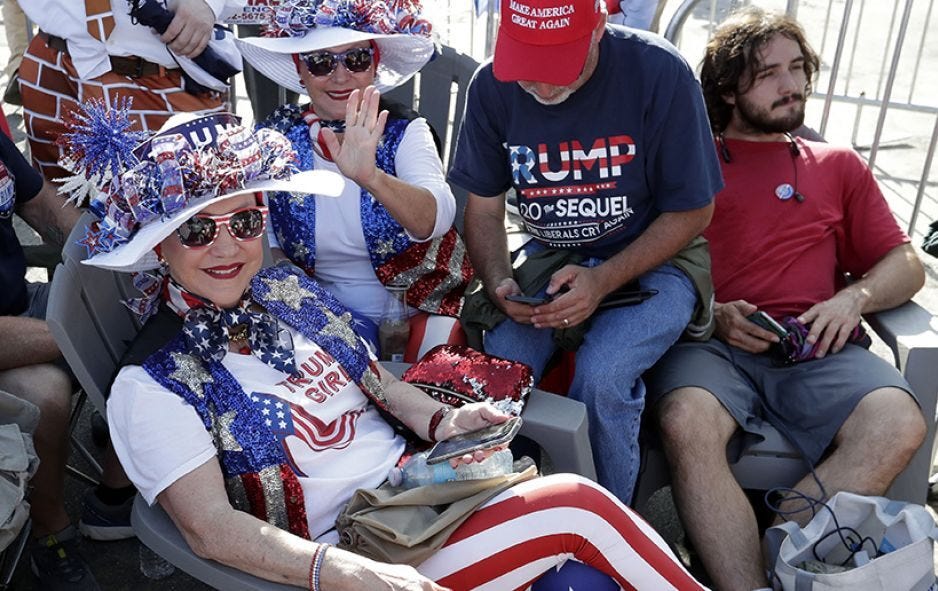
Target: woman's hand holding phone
469	418
475	445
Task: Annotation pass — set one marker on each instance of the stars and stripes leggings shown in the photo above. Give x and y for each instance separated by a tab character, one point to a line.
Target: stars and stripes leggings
538	525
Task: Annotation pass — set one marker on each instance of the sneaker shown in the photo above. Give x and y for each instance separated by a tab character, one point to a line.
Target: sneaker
58	565
102	522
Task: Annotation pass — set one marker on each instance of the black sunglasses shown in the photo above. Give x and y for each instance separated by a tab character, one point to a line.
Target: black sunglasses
244	224
324	63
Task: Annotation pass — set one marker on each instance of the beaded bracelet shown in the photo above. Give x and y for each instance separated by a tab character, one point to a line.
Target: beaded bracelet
315	566
435	421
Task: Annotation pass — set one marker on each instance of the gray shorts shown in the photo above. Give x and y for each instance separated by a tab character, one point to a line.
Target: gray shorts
807	402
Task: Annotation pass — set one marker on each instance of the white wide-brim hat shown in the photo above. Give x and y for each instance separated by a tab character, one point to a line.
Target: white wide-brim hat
138	254
401	55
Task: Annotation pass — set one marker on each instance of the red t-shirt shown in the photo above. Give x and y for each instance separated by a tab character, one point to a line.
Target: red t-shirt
784	256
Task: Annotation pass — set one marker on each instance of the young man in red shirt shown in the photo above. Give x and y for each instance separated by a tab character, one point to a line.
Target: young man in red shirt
793	218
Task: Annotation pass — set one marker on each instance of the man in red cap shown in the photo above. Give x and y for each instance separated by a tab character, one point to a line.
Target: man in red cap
603	135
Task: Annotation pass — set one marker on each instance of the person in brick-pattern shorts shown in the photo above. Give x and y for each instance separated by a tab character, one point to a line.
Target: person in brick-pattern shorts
100	53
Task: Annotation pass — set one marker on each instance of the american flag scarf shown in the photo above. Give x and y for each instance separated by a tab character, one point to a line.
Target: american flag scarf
207	329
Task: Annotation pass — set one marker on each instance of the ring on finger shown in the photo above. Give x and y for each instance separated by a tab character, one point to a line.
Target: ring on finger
566	322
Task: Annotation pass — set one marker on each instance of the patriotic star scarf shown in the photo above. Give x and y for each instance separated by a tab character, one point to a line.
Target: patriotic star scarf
436	272
207	329
258	476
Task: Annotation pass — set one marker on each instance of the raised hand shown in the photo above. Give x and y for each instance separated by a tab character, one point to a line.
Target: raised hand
364	126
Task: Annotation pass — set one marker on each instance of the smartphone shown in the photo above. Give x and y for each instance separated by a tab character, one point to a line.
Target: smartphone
626	298
487	438
768	323
530	300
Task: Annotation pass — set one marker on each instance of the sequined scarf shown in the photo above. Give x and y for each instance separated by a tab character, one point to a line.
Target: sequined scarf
258	476
436	272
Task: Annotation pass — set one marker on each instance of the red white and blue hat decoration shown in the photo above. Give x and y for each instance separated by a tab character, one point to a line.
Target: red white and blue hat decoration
396	27
143	188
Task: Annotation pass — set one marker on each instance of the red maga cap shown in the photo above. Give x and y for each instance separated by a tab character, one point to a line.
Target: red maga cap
544	40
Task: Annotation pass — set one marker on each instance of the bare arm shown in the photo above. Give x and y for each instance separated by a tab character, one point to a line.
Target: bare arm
50	215
663	239
25	341
415	408
199	507
413	207
486	239
892	281
487	242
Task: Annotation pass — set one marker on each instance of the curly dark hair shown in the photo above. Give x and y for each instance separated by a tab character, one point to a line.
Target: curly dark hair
732	57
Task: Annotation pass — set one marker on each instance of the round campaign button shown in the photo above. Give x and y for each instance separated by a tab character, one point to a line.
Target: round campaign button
784	191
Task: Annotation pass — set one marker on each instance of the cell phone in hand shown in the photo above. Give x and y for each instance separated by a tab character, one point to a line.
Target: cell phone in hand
768	323
483	439
529	300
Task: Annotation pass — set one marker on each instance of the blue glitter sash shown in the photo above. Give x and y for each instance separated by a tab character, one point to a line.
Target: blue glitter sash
258	477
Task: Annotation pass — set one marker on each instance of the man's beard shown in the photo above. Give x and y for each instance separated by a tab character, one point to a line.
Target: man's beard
556	100
761	120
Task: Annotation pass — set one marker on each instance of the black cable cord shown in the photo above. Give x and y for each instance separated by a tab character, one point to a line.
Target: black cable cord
851	539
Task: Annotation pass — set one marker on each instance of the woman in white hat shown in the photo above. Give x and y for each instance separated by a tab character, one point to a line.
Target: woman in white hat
262	409
393	223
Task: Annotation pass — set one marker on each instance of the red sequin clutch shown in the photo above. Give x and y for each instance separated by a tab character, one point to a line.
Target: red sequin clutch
457	375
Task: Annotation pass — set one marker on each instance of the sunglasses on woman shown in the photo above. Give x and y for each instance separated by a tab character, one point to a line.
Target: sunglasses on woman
324	63
244	224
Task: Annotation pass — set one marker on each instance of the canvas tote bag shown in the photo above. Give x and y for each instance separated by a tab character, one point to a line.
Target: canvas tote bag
898	539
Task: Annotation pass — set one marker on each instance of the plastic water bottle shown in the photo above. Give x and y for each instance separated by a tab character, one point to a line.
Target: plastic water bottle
153	566
500	462
416	472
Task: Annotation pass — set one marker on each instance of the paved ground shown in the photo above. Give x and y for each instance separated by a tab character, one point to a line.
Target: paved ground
898	167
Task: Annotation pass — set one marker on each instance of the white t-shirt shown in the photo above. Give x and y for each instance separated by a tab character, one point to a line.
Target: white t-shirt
342	262
332	433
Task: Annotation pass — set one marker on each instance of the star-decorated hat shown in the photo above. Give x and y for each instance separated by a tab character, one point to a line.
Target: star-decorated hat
143	188
300	26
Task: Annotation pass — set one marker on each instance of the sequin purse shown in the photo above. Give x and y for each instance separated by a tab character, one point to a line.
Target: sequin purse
457	375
